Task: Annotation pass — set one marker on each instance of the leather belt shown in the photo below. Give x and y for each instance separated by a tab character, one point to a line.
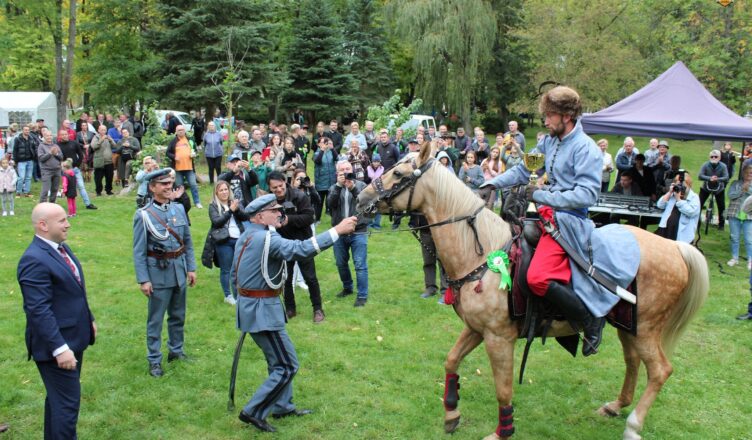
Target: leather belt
166	255
266	293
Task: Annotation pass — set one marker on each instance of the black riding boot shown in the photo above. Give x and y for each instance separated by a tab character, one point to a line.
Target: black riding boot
574	310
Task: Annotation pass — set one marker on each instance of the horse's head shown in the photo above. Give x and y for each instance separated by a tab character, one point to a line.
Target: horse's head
395	190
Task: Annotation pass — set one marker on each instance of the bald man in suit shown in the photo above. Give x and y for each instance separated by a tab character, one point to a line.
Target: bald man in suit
59	324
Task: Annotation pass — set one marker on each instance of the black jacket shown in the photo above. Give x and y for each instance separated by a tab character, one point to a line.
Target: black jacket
72	150
24	149
220	218
241	184
300	215
337	140
335	199
389	153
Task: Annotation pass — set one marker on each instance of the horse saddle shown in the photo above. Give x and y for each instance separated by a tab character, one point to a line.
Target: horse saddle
538	314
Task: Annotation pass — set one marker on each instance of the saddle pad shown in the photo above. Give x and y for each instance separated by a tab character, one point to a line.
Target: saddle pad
622	316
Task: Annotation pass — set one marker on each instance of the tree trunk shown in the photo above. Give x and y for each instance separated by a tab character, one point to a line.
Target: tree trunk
63	68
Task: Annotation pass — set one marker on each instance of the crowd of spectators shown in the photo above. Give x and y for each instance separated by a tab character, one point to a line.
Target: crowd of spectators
343	163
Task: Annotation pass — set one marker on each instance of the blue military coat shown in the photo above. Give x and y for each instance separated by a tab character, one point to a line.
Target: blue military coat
266	314
150	235
573	165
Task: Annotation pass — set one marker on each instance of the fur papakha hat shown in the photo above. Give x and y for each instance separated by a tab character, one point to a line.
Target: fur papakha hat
561	100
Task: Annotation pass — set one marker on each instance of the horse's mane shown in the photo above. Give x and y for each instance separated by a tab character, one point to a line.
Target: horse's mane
459	200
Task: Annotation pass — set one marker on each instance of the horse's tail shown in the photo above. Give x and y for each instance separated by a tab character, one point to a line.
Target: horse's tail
691	299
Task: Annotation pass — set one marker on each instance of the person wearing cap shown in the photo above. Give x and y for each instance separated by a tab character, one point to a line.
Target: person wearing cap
573	163
241	179
259	271
165	266
102	145
714	176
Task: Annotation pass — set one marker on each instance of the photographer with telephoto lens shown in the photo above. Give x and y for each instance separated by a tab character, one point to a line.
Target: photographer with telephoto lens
681	208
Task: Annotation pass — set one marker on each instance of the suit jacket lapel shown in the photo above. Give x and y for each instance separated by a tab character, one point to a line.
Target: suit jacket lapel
55	254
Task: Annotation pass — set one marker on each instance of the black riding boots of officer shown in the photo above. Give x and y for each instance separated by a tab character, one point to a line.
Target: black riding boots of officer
563	297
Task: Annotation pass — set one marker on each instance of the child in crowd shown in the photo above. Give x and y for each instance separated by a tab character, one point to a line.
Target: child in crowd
261	167
470	173
374	171
142	177
8	179
69	186
444	159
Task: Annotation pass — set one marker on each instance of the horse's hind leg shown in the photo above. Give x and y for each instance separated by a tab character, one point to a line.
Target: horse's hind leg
468	340
500	349
659	369
632	361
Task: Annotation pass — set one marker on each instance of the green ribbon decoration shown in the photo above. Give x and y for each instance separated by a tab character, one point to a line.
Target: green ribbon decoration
498	262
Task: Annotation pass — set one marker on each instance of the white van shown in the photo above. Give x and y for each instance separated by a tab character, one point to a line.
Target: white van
184	118
415	120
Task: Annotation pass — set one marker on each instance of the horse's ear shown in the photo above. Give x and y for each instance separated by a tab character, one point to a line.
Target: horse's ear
427	151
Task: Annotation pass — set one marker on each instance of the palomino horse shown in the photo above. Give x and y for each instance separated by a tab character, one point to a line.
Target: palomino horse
672	281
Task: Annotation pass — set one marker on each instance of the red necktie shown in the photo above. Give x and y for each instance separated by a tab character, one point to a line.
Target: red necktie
69	263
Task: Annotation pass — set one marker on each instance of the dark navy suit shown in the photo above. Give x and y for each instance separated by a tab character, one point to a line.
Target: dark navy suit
57	313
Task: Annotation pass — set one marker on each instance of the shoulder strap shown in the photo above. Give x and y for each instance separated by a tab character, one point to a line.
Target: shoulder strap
240	256
169	229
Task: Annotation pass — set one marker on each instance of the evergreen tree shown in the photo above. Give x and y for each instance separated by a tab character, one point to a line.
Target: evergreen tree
367	56
194	39
322	84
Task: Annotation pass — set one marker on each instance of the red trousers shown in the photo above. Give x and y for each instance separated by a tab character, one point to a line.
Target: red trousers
550	262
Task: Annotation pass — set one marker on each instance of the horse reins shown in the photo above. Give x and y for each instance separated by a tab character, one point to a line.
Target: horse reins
410	181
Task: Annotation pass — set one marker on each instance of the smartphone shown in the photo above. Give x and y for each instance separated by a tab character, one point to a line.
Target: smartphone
244	155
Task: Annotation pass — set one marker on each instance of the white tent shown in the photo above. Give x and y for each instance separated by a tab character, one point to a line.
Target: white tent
25	107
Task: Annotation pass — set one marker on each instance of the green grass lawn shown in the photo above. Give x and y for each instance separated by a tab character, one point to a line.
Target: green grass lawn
360	386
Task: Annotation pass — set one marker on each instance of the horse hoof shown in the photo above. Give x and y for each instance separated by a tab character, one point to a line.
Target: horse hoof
493	436
451	425
607	411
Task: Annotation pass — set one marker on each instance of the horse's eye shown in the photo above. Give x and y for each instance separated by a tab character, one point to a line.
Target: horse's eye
397	173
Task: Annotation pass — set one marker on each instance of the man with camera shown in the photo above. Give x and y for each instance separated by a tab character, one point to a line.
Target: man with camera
240	177
681	210
258	272
341	201
715	176
296	225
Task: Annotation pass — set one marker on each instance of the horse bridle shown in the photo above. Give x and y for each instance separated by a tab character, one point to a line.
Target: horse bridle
410	181
405	182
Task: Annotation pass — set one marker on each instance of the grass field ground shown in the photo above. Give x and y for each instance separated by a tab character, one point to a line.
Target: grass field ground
360	386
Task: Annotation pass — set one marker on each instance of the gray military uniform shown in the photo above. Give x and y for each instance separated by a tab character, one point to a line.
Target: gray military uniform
264	318
151	241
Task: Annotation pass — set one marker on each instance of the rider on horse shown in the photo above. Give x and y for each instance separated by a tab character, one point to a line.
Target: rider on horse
573	165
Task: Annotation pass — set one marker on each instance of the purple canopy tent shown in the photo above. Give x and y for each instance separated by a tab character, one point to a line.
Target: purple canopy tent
675	105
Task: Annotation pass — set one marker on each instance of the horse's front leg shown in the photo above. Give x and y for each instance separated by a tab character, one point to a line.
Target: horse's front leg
500	349
468	340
